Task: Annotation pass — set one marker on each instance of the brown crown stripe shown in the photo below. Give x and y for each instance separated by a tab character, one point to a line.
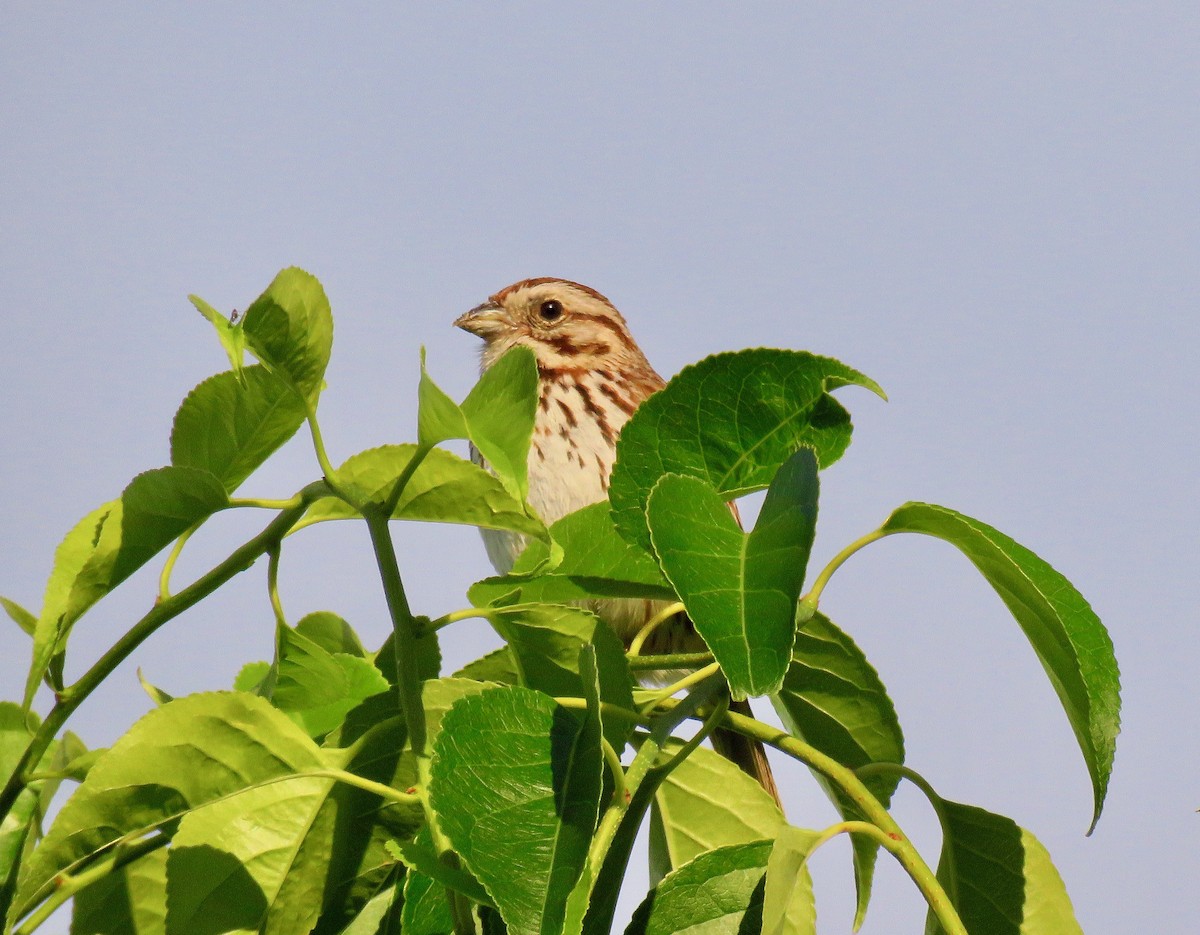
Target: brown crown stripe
503	294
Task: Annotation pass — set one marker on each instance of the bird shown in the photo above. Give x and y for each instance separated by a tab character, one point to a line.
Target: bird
592	376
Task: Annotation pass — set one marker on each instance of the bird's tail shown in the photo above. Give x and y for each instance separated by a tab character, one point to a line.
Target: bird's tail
746	752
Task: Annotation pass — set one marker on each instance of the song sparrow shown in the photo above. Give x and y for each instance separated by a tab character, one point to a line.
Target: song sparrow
592	378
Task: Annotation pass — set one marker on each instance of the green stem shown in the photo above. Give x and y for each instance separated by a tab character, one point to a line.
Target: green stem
404	629
273	584
454	616
635	647
808	603
693	678
67	885
613	759
410	469
164	579
70	698
669	661
259	503
846	780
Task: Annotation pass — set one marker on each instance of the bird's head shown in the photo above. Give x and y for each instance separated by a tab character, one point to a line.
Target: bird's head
566	325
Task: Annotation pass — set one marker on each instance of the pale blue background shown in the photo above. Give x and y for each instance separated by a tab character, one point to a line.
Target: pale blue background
990	208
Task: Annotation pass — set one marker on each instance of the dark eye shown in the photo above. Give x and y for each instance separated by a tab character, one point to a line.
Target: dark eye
550	310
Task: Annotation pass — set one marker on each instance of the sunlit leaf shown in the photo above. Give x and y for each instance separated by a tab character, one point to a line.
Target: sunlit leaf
1068	637
229	332
740	590
730	420
230	424
290	329
131	901
789	907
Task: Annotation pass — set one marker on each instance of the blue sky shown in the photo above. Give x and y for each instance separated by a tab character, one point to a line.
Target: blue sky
990	209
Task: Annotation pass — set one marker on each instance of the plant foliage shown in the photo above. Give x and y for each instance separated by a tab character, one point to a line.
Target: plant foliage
336	789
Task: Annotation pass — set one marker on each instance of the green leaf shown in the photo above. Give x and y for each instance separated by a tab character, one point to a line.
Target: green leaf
440	695
497	416
131	901
255	861
740	590
379	911
111	543
250	677
516	783
444	489
426	909
19	615
231	423
497	666
833	700
707	802
290	329
331	633
596	562
229	332
730	420
21	823
317	688
419	856
789	907
1068	637
999	877
718	893
185	754
156	694
546	639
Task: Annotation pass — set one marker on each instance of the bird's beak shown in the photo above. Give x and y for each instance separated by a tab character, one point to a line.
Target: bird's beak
484	320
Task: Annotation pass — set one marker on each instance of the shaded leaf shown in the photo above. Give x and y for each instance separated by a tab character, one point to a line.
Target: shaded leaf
231	423
1068	637
833	700
740	590
999	877
426	909
497	666
730	420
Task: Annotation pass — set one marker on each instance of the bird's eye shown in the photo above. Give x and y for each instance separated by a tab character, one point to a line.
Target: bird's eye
550	310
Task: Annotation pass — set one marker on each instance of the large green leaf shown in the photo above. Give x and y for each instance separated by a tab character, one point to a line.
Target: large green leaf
718	893
230	424
178	757
497	416
708	802
516	783
317	688
131	901
545	640
596	562
999	877
111	543
253	862
444	489
290	329
833	700
740	590
20	825
1068	637
730	420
